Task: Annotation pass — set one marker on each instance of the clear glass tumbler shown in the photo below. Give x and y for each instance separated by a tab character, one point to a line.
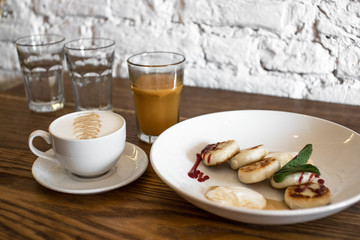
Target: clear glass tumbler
41	61
90	62
156	80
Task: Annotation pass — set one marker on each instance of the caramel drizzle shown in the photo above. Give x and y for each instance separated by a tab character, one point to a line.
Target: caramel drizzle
87	126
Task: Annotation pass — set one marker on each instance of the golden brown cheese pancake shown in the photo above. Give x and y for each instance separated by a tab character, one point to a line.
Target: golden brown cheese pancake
258	171
307	196
247	156
217	153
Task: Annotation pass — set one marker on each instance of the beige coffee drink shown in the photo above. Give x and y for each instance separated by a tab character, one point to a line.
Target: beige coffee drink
86	125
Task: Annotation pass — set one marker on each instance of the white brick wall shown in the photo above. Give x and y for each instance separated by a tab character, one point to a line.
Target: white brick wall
306	49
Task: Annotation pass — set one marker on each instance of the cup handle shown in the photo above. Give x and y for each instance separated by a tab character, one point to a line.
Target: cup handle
47	137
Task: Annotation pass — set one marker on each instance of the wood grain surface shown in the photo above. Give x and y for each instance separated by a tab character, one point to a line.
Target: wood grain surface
146	208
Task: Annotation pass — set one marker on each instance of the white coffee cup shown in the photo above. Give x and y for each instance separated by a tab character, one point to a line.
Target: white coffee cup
86	143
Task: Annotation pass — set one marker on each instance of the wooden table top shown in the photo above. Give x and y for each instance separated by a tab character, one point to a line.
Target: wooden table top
146	208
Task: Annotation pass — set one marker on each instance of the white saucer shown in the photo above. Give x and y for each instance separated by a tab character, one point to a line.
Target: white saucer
131	165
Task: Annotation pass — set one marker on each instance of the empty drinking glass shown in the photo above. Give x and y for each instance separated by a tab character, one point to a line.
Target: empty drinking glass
90	63
41	59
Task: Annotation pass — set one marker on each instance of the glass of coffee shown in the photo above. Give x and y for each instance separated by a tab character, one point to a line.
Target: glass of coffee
90	62
156	82
41	61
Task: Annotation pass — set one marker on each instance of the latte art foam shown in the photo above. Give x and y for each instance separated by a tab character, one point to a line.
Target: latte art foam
86	125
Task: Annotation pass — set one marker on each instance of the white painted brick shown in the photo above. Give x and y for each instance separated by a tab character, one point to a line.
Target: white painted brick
338	16
18	20
9	79
352	95
91	8
146	12
229	50
301	19
296	56
268	14
12	30
280	85
328	88
339	93
8	59
72	27
349	62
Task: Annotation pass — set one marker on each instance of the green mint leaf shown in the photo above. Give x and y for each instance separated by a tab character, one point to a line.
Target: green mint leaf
297	164
301	158
283	173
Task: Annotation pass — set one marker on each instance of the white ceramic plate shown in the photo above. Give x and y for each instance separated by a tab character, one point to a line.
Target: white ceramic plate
131	165
336	152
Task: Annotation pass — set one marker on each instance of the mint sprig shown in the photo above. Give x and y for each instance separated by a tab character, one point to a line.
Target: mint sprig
297	164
